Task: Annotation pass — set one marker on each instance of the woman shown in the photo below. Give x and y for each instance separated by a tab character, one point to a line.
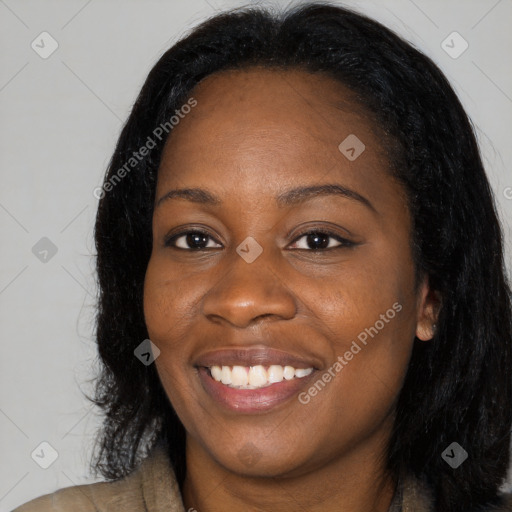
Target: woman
297	216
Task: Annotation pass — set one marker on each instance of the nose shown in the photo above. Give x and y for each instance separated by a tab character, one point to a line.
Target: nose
249	292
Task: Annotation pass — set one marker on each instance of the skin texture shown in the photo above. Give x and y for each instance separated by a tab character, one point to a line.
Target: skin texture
254	134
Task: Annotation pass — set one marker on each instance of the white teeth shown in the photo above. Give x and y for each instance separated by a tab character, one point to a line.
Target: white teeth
226	375
275	373
216	373
289	372
302	372
257	376
238	376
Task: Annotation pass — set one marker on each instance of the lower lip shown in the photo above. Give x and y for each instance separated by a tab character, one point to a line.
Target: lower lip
252	400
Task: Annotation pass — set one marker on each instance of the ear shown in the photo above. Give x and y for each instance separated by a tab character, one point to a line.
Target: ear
429	305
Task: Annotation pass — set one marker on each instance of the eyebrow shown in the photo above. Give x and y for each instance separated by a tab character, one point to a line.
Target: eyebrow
289	197
195	195
300	194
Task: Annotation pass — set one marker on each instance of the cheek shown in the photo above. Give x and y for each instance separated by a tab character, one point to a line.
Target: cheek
360	296
357	392
369	318
168	303
167	312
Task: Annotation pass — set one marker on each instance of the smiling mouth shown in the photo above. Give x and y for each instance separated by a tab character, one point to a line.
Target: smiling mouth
255	377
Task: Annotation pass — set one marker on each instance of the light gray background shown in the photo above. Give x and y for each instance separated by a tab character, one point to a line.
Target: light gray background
60	118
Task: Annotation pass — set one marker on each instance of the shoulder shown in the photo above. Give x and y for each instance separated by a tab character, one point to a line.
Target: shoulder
104	496
124	494
152	486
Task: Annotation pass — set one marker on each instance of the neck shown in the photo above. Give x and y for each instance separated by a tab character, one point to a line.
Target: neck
355	482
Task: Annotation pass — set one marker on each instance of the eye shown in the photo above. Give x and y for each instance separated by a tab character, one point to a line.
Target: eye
196	240
321	240
314	240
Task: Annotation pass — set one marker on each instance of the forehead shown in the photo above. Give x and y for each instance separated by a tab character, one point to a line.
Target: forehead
292	102
258	128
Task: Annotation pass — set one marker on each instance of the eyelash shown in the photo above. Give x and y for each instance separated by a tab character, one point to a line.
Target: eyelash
344	243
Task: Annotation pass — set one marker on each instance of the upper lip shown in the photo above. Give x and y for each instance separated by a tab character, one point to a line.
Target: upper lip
253	356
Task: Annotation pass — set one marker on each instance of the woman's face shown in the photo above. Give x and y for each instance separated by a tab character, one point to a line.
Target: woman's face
253	289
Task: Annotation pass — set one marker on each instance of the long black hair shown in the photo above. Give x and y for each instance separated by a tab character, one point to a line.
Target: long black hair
458	386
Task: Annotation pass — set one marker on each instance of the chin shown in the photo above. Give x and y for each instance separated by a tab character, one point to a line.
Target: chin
263	461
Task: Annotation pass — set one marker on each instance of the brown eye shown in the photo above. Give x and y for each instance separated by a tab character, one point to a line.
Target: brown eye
321	240
191	240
